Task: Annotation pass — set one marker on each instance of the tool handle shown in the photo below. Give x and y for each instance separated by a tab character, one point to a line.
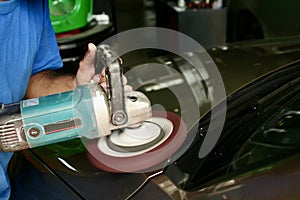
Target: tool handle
105	56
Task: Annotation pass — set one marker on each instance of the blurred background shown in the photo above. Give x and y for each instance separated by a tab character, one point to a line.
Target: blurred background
209	22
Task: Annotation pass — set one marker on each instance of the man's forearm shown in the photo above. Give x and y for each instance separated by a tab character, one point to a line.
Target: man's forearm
49	82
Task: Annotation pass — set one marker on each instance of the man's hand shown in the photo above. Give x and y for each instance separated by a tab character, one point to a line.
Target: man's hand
86	71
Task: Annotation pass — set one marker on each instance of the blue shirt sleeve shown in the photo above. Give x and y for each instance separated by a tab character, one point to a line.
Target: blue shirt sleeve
47	56
30	45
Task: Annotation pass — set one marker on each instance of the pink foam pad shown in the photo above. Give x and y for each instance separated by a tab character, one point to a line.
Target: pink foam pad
156	158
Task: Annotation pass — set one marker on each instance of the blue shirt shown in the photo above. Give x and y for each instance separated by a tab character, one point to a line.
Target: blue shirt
27	46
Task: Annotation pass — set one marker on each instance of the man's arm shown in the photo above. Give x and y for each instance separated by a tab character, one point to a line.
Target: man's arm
50	82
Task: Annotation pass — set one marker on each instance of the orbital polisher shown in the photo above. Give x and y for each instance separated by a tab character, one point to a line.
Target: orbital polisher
118	128
88	111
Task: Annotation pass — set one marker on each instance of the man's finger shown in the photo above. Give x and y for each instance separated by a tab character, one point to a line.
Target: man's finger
89	56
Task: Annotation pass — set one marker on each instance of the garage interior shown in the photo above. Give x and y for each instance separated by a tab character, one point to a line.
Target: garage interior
252	102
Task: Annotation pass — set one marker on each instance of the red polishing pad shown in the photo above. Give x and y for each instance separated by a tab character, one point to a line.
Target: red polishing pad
136	162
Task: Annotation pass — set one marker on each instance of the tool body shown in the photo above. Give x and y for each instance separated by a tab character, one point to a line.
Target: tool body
88	111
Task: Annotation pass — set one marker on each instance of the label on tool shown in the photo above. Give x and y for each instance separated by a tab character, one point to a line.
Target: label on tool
31	102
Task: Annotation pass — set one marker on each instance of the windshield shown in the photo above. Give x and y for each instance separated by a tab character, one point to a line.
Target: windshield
275	139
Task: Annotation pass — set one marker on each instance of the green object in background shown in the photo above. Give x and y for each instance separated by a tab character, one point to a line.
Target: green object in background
67	15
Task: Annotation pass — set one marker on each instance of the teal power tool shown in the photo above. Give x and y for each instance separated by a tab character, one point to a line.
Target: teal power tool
88	111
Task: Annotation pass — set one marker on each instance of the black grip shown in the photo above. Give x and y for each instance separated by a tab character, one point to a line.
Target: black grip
105	57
